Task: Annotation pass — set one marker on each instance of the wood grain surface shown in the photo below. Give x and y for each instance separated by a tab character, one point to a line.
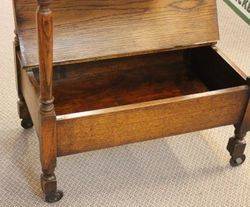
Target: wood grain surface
117	82
139	122
90	30
121	81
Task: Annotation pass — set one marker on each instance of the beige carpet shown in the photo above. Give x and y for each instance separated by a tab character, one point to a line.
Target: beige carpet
188	170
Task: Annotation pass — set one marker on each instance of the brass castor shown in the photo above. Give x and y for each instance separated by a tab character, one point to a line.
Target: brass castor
26	123
236	161
53	197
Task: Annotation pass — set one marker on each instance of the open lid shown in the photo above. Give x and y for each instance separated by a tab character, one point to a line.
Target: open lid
103	29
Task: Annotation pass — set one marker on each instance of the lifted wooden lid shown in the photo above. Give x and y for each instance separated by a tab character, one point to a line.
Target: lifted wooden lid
94	29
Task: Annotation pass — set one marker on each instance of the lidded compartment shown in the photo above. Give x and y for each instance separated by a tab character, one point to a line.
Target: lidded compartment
127	70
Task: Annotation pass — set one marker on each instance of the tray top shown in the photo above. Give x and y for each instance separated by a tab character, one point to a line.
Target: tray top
92	30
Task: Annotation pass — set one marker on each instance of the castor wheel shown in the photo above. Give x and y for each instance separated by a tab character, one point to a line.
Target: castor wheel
54	197
236	161
26	123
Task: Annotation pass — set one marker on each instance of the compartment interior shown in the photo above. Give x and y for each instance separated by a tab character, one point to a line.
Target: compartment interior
121	81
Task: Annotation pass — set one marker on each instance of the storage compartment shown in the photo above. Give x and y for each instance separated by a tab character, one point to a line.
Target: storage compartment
117	82
105	84
114	102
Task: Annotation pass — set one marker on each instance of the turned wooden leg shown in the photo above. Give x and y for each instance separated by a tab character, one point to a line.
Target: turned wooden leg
22	108
236	147
26	121
47	134
237	144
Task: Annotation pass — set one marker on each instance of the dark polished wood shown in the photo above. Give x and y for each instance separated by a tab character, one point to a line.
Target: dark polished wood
88	86
145	78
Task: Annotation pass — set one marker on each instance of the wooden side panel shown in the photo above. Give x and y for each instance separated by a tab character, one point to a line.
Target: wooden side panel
214	69
139	122
90	30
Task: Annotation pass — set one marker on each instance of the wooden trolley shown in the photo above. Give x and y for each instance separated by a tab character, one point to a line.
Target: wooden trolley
109	73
